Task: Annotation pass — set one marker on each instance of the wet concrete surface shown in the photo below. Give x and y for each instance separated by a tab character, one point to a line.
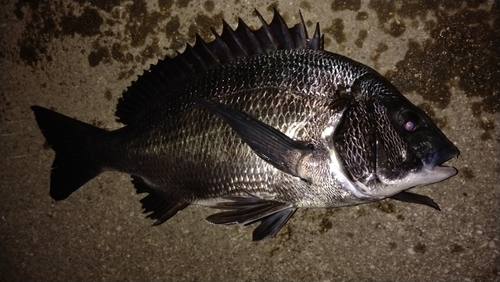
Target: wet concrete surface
78	58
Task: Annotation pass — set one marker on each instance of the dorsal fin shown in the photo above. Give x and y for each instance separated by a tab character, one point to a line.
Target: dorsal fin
230	45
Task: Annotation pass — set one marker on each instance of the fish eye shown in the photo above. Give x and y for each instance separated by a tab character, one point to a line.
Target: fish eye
410	121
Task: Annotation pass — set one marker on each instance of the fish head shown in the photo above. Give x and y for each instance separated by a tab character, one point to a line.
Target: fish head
388	145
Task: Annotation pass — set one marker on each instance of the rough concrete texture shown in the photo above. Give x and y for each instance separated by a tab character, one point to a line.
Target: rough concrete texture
78	57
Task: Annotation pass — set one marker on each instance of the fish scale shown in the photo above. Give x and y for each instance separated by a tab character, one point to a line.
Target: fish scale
257	123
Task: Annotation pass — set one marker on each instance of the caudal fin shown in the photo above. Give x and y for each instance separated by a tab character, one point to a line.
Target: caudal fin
70	139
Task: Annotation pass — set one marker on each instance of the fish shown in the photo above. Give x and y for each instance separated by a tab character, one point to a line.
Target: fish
257	124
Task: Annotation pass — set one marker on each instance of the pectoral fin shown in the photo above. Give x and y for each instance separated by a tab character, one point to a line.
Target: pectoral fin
409	197
247	210
270	144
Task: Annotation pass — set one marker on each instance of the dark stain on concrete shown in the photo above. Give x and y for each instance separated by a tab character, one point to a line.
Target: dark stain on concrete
389	17
463	50
393	245
285	233
165	5
46	21
29	53
99	55
337	30
420	248
362	16
209	6
20	5
488	126
304	5
126	73
151	51
88	24
203	25
456	248
384	9
360	213
172	31
375	54
325	225
325	219
182	3
396	28
106	6
4	101
107	95
118	52
141	23
362	35
385	206
273	251
310	23
340	5
467	173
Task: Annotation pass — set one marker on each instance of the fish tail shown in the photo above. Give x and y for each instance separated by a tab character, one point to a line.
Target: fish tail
73	165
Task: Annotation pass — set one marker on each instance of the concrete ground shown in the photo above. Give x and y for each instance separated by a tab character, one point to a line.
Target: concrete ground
78	57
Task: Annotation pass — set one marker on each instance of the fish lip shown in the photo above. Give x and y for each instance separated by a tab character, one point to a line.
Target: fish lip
436	159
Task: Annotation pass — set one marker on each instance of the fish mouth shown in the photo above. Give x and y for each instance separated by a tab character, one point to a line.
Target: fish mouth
437	158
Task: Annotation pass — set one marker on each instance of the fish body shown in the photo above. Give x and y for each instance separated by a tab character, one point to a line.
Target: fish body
258	123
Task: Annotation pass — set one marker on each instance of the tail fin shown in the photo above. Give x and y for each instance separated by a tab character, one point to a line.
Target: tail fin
69	138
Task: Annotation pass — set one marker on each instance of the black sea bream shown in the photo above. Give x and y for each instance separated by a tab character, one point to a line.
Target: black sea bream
257	123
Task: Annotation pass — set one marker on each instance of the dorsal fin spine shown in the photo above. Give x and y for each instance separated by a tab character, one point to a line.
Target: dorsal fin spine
221	49
248	37
201	48
193	59
281	31
298	34
316	42
180	67
184	65
229	36
265	33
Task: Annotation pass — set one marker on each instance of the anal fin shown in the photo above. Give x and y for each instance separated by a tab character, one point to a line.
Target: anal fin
247	210
272	224
161	208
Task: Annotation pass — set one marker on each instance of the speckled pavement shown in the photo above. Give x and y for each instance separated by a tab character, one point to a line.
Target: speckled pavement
77	58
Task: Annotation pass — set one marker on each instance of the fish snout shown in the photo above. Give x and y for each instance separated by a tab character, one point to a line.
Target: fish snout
430	161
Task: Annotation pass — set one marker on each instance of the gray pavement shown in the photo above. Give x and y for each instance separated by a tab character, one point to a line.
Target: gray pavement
77	58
